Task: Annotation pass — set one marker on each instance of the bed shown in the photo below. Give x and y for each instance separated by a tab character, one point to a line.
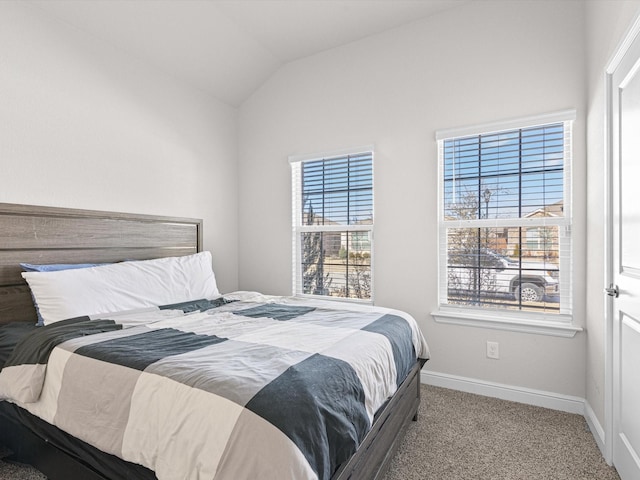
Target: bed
45	235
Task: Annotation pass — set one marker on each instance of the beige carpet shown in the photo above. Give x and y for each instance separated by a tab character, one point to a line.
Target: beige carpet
460	436
14	471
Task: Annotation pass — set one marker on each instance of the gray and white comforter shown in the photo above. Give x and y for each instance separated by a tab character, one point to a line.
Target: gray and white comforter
237	388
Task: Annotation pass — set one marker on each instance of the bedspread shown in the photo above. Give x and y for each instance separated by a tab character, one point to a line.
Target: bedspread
240	387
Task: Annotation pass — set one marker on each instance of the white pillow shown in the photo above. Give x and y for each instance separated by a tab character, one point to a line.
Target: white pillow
122	286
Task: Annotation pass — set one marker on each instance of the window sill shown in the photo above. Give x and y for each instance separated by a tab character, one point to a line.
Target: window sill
328	298
562	327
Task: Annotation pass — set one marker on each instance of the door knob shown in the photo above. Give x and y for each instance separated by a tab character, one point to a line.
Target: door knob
612	291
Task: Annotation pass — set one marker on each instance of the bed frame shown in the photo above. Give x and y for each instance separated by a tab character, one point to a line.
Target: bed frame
35	234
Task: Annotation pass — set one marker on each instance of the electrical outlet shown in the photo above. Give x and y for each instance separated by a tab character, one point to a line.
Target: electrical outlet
493	350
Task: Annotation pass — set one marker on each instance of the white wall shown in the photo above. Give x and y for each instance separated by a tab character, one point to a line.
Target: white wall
483	62
83	125
607	23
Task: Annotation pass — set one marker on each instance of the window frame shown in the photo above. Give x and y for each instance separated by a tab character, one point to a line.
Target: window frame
298	228
557	324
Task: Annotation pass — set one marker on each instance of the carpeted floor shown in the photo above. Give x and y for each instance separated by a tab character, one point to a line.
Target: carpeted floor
14	471
460	436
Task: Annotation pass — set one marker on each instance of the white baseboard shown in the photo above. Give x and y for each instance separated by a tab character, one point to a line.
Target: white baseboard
538	398
596	429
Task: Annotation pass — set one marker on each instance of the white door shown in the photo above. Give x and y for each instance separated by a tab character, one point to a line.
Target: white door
625	149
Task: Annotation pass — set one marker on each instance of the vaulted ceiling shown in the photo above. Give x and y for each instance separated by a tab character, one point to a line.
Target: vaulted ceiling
228	48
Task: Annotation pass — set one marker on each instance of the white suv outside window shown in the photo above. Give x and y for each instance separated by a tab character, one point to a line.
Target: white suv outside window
491	275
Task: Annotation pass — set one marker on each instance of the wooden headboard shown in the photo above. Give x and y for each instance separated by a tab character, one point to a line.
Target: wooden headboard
34	234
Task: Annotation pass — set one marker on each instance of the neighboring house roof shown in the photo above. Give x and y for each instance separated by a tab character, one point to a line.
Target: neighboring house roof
554	210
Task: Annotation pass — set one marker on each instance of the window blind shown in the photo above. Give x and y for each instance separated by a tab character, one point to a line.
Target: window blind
333	225
509	174
338	191
505	218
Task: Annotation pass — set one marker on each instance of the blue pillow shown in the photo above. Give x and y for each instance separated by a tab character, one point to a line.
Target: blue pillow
53	267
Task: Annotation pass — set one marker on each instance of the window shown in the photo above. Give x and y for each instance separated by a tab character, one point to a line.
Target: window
333	224
505	218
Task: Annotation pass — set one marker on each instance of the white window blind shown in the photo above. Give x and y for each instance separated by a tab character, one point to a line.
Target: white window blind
505	217
333	225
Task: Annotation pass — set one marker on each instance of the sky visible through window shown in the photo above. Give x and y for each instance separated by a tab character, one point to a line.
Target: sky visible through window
508	174
338	191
